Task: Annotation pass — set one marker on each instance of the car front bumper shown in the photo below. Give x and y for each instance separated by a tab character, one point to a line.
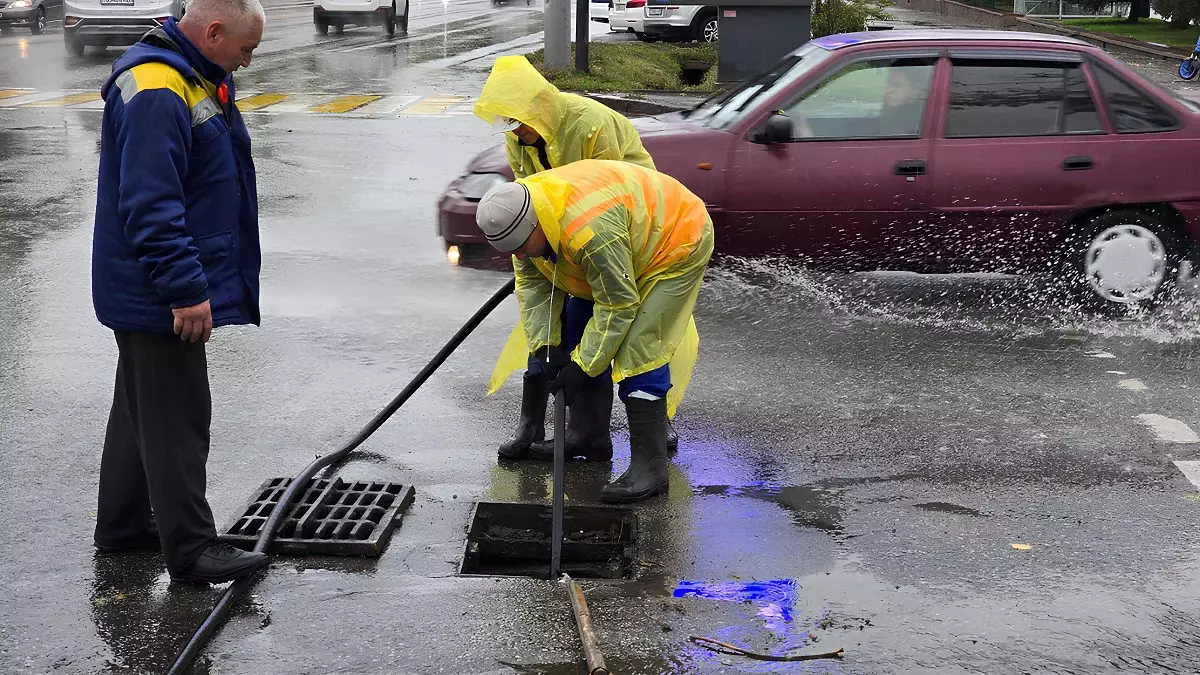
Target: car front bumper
22	16
465	243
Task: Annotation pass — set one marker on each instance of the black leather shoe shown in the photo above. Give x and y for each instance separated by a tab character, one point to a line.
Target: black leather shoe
220	563
589	428
146	541
648	464
532	427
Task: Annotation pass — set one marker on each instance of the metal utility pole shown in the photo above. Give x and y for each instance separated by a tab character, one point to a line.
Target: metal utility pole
583	32
558	34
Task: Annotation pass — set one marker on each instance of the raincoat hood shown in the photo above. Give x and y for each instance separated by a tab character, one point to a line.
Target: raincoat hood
515	89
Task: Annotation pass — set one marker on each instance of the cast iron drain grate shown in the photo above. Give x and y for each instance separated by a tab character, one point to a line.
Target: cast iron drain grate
506	539
330	517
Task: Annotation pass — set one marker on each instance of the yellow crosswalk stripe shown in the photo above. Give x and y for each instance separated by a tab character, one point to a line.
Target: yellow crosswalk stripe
433	105
10	93
70	99
259	101
343	104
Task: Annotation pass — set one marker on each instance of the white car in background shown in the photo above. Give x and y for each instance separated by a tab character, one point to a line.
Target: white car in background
341	13
598	10
681	23
628	15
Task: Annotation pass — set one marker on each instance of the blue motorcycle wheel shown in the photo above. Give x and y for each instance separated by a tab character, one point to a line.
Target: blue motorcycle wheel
1188	69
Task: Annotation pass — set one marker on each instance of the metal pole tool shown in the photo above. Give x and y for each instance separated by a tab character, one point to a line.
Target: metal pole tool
560	469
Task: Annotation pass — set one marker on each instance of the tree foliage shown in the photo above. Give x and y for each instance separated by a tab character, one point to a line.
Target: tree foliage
1180	13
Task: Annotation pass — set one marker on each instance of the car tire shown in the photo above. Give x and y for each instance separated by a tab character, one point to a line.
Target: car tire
39	22
322	26
403	22
645	38
74	47
707	29
389	21
1125	258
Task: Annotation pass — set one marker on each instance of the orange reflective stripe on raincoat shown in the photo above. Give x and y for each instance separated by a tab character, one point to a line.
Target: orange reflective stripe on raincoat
573	127
636	243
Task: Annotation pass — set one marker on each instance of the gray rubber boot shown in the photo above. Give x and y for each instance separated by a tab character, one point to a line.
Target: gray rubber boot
532	426
589	428
648	468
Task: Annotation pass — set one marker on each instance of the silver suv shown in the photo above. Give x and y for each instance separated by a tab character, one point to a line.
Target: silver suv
687	23
115	23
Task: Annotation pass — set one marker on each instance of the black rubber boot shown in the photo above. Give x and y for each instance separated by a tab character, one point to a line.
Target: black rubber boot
532	427
647	475
589	433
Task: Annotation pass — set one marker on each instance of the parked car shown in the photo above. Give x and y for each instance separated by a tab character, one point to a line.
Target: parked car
627	15
341	13
932	150
31	14
675	23
113	23
598	10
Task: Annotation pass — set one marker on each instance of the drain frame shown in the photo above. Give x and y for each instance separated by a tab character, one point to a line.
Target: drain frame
337	517
512	540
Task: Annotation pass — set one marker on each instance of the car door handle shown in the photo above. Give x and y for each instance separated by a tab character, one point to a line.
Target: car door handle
1078	163
913	167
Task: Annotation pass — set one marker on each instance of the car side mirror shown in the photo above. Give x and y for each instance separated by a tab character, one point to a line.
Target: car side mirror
778	130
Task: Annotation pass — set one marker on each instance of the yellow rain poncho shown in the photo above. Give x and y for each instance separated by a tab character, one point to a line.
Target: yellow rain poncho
573	127
633	241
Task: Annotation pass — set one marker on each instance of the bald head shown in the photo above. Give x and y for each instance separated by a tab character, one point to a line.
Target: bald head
226	31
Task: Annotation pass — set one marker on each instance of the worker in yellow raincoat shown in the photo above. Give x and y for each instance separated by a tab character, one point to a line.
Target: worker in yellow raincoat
631	245
545	128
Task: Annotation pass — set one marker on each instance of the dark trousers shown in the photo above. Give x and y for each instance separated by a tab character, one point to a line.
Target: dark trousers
156	448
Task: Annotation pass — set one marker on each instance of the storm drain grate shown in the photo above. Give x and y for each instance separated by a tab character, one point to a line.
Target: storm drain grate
330	517
513	539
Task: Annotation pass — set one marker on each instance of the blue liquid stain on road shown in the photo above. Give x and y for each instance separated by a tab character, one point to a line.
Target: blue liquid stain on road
774	599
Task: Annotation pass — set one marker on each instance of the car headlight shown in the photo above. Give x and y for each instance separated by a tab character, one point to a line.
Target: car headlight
21	3
474	185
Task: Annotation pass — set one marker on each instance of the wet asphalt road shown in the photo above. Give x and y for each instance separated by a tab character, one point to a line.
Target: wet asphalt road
870	446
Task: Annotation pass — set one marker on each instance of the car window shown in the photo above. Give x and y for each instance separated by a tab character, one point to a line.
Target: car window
994	98
1131	110
725	109
882	98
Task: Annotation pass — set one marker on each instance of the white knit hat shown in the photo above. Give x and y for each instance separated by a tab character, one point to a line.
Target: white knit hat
506	216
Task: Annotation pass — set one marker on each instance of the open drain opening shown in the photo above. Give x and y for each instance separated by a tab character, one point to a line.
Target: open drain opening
505	539
331	517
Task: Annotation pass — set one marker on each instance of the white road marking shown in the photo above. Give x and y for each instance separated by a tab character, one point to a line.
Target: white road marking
1133	385
1190	470
1101	355
1168	430
1116	372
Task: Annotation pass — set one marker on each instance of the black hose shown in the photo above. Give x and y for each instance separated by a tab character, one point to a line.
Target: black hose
210	625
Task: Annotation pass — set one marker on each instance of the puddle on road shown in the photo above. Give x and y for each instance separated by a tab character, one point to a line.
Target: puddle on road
808	506
943	507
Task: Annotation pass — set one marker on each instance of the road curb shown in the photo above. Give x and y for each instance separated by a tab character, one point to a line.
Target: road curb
630	106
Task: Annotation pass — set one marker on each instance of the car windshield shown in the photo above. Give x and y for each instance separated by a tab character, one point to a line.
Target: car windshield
727	107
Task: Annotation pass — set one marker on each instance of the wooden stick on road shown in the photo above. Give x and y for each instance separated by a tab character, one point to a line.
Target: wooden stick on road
583	619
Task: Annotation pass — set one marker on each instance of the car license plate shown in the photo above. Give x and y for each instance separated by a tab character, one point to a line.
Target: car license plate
654	11
117	2
620	7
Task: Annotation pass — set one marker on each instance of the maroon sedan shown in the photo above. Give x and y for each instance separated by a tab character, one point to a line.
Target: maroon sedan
931	150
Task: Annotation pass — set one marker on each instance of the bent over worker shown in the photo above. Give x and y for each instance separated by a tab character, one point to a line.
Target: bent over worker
544	129
175	254
631	245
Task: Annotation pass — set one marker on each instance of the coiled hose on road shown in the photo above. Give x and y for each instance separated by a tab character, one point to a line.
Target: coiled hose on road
217	617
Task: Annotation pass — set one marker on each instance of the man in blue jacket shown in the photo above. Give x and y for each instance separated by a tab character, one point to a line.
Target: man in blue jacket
175	254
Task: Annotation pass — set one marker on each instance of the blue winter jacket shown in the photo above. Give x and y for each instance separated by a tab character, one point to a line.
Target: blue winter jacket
177	206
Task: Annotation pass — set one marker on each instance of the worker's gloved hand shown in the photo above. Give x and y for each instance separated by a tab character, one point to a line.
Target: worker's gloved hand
570	381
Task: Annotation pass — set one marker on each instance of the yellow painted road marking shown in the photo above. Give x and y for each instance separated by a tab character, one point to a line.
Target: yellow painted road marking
70	99
343	104
434	105
259	101
10	93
